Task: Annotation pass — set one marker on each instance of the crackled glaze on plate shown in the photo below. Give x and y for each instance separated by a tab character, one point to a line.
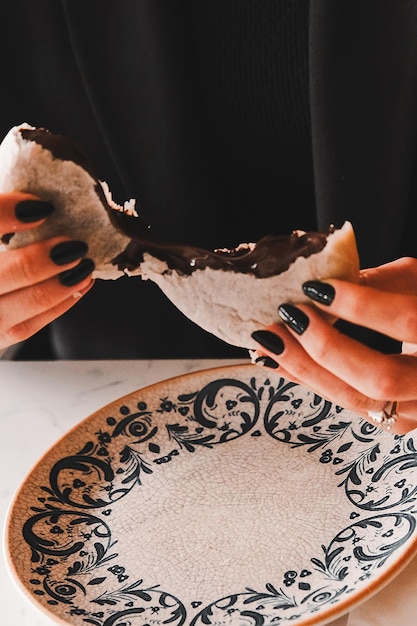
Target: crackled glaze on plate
225	497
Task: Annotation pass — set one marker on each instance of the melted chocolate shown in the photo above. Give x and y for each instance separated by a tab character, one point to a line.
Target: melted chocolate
271	255
59	146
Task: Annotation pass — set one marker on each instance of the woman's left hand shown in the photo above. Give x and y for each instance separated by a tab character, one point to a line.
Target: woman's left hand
311	351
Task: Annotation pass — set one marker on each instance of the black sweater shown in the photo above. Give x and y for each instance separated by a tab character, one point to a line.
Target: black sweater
227	120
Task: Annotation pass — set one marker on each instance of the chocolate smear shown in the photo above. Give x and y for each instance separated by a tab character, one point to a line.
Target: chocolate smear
271	255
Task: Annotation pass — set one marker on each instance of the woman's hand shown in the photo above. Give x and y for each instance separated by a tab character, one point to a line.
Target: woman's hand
310	350
40	281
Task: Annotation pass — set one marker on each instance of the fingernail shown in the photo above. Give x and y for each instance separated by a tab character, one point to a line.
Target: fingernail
266	361
294	318
269	340
319	292
76	274
32	210
68	251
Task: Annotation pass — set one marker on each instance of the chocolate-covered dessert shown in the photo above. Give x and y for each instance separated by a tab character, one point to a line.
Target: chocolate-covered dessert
229	292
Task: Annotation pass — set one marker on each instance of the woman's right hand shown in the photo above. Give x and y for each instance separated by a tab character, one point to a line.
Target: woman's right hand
41	281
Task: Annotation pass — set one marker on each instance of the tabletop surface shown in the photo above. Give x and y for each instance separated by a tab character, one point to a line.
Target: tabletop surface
40	402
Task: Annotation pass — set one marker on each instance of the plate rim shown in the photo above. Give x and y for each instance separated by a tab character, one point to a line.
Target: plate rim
322	617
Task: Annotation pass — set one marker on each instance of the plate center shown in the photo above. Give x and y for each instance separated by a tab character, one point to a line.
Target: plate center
219	519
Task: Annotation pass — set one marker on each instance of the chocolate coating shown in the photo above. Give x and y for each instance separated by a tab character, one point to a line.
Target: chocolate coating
59	146
271	255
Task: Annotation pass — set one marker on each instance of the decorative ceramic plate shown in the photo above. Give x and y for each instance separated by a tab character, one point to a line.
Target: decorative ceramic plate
227	497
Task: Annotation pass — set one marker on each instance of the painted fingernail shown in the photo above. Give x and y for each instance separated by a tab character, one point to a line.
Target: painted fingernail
68	251
76	274
319	292
266	361
294	318
269	340
32	210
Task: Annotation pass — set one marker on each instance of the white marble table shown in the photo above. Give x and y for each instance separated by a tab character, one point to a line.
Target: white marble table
41	401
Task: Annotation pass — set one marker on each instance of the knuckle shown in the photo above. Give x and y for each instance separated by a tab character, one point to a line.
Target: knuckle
322	349
385	385
407	265
40	297
8	335
301	370
13	335
408	321
355	401
297	366
355	306
22	267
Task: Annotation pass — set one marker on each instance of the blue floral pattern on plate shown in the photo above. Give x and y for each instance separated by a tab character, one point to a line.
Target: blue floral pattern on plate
65	552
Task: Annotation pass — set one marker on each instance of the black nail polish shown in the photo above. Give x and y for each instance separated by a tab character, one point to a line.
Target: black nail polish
68	251
32	210
76	274
294	318
267	362
269	340
319	292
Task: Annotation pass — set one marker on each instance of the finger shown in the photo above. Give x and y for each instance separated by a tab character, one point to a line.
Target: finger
23	304
16	322
389	313
20	211
38	261
331	388
407	417
379	376
399	276
277	343
27	328
262	359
